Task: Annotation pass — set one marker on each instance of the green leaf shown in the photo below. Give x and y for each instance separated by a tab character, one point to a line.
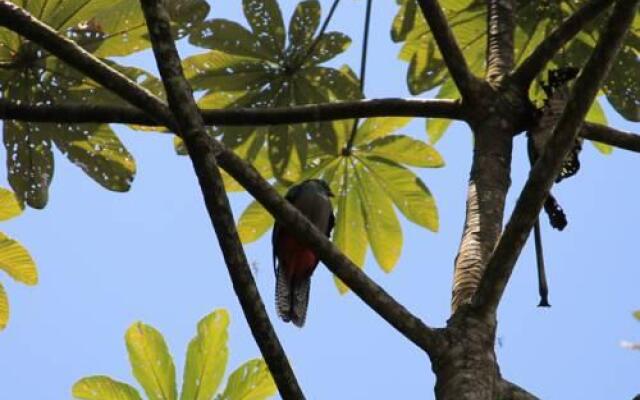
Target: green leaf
636	315
30	162
374	128
328	46
382	226
623	86
303	25
349	234
206	357
265	19
229	37
254	222
405	150
217	71
408	192
4	308
151	362
103	388
251	381
9	205
16	261
98	152
596	114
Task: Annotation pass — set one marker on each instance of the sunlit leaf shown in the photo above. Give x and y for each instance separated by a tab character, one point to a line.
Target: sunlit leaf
596	114
16	261
436	127
151	362
103	388
349	233
254	222
405	150
407	191
206	357
4	308
383	229
636	314
373	128
251	381
9	205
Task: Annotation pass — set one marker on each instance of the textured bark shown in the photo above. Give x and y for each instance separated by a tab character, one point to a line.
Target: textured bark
488	186
468	369
501	27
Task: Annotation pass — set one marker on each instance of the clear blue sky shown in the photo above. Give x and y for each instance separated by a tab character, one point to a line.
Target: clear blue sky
109	259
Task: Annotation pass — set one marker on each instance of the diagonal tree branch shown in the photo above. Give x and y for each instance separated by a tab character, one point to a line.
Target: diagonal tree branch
456	64
546	169
79	113
605	134
500	30
428	339
511	391
192	131
534	64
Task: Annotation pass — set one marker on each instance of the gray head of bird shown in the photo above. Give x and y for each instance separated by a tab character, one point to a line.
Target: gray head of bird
317	185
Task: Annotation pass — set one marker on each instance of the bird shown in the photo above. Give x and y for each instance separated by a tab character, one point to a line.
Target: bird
293	260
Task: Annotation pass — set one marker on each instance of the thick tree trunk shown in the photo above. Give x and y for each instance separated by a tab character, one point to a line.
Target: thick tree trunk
468	369
488	186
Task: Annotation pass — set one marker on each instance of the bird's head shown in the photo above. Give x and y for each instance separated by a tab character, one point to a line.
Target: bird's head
318	185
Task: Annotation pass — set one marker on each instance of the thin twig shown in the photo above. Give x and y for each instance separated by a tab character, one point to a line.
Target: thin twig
547	167
363	69
534	64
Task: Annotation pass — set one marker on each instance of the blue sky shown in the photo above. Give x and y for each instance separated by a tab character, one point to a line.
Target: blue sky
108	259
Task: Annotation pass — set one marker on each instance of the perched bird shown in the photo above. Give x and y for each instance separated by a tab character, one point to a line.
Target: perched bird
293	260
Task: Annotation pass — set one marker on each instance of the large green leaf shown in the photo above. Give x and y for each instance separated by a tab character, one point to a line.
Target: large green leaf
349	233
252	68
98	152
383	229
4	308
103	388
408	192
9	205
596	114
16	261
206	358
151	362
373	128
405	150
436	127
251	381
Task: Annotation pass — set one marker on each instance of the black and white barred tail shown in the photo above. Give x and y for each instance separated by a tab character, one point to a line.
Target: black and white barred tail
292	298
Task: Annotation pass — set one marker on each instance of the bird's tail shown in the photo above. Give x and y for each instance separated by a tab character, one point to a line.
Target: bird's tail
292	298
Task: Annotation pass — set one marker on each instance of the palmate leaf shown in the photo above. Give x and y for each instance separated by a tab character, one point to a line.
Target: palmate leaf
259	68
369	183
103	388
16	261
151	362
206	361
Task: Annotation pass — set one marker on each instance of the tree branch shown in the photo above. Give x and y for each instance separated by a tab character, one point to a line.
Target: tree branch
86	112
511	391
534	64
548	166
192	131
500	30
371	293
605	134
456	64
